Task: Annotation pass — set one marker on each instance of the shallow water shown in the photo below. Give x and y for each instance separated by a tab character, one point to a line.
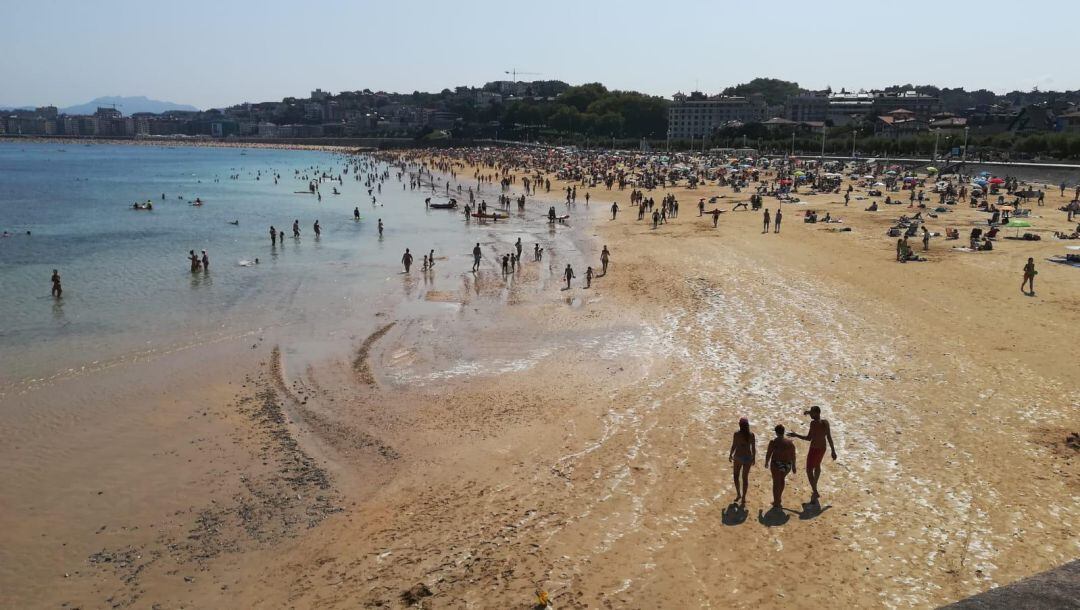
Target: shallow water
128	288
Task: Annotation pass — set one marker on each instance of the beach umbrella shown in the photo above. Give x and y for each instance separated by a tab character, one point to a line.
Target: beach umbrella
891	172
1018	224
931	170
997	181
980	182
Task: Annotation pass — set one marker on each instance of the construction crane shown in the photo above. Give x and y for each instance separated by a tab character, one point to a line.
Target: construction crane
513	72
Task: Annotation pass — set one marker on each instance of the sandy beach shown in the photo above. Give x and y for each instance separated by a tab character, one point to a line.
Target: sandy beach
493	437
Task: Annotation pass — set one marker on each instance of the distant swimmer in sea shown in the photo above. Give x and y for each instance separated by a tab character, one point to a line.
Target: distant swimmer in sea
742	455
780	460
57	289
406	260
273	235
380	227
205	261
296	228
195	262
819	435
317	228
356	213
569	275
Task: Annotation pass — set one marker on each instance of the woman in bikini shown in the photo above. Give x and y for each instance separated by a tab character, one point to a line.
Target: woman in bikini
742	455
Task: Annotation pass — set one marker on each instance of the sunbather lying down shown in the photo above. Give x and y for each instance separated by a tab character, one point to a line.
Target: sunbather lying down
1073	235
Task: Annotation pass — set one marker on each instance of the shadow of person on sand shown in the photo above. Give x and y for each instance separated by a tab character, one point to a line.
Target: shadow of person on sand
774	518
734	514
811	510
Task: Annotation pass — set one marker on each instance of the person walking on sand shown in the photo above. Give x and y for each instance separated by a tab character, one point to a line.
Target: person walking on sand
742	455
356	213
476	253
614	210
569	275
776	223
1029	277
605	258
57	289
588	277
766	222
406	260
819	435
538	253
780	460
518	246
925	239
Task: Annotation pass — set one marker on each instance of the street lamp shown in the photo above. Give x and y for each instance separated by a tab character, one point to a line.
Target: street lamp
937	136
854	134
963	159
823	130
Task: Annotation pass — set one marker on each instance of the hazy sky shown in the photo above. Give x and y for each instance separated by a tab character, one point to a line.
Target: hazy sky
216	53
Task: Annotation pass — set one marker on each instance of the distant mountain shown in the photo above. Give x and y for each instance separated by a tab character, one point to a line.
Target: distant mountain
11	107
126	105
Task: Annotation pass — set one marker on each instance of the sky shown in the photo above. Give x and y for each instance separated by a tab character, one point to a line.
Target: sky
216	53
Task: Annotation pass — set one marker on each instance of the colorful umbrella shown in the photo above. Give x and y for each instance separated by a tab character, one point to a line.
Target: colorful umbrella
997	181
1018	224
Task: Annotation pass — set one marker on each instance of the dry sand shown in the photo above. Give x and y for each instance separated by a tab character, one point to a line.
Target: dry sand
507	436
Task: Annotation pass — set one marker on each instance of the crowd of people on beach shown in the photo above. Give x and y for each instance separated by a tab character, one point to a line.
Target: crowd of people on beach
534	169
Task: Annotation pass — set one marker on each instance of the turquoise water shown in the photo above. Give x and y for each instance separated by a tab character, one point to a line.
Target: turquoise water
128	288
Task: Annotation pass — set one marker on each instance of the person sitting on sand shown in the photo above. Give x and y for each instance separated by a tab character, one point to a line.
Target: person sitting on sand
742	455
873	207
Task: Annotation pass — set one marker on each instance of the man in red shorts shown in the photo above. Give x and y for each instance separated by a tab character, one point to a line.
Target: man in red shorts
818	435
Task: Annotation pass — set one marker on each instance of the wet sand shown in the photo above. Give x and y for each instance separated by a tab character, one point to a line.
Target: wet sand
498	437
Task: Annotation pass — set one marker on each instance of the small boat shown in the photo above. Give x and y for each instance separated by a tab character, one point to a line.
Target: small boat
444	206
491	216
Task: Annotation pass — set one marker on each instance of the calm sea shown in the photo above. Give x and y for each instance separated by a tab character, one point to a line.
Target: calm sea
128	288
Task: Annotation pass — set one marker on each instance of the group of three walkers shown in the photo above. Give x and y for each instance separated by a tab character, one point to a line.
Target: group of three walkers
780	456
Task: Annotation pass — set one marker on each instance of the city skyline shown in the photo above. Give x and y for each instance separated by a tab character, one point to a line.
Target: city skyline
215	55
